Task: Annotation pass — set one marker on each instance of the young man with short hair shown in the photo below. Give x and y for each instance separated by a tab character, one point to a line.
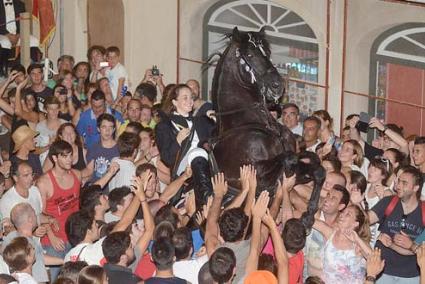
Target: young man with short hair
418	156
147	93
223	266
163	255
100	154
185	266
42	92
83	232
134	109
94	201
401	220
87	126
60	191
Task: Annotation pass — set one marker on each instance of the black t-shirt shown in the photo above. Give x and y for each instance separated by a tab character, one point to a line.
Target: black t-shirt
171	280
41	96
396	264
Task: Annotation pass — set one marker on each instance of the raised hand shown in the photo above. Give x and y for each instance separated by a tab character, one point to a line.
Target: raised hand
268	219
23	83
139	185
261	205
376	123
114	167
188	172
244	177
219	185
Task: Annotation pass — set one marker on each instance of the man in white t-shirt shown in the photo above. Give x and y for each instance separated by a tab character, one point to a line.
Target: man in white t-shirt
128	145
116	74
83	234
185	266
22	192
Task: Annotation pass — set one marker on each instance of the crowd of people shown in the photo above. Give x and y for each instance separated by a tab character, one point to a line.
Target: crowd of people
101	185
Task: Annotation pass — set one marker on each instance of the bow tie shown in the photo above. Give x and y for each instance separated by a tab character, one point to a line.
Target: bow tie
8	3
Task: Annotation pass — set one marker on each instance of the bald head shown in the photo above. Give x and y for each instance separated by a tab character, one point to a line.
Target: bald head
195	87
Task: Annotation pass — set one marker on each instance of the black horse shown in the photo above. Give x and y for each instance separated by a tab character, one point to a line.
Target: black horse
244	82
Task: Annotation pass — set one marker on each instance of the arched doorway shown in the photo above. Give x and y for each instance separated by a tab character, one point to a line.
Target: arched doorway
398	77
295	49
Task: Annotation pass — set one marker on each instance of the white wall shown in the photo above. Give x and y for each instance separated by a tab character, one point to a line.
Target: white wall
151	38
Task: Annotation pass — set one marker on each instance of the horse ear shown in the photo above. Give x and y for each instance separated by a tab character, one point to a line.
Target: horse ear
235	34
262	32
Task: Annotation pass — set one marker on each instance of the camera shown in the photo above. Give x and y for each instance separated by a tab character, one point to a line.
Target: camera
155	71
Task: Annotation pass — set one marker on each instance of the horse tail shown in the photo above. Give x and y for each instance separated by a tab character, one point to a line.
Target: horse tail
307	218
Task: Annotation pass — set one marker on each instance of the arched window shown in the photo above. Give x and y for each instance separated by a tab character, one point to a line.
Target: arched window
293	43
398	77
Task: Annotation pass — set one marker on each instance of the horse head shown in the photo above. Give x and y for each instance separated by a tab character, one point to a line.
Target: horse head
255	67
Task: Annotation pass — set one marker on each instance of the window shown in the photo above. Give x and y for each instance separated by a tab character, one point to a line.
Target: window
293	43
398	77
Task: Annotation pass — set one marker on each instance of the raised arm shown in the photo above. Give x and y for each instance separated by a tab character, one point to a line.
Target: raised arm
175	185
258	211
279	250
131	210
323	228
394	136
112	170
211	235
244	172
139	187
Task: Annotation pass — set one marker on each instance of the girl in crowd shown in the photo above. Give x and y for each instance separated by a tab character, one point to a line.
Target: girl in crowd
81	73
352	157
26	108
397	160
48	127
327	135
379	172
66	107
346	247
148	153
68	133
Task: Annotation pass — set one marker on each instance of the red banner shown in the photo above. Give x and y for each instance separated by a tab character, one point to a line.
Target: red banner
42	10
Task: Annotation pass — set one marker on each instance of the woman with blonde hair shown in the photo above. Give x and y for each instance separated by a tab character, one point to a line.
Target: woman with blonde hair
351	156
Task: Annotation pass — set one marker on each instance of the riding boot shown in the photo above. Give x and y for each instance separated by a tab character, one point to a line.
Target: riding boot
202	180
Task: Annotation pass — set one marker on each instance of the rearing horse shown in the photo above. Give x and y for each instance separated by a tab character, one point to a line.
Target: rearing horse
244	81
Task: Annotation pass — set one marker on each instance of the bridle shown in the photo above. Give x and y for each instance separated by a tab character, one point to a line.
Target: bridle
245	63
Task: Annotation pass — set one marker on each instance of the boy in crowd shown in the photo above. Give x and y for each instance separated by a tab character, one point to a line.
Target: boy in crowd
116	74
128	146
163	255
